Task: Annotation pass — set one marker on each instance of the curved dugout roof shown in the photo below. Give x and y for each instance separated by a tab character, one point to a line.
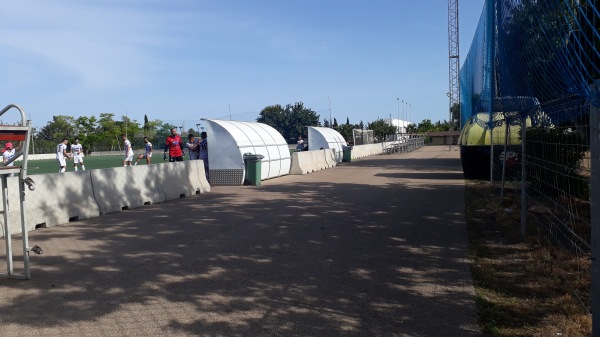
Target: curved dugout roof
326	138
229	140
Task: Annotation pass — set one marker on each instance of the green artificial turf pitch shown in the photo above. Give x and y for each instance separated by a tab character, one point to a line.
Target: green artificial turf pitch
51	165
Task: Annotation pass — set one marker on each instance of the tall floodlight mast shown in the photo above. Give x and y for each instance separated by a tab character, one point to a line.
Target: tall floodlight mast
453	49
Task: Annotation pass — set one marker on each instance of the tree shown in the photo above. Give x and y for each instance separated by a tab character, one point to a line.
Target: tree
129	126
346	131
427	126
272	115
326	123
86	128
455	111
109	130
335	123
381	129
290	121
347	121
163	130
145	122
60	127
537	47
151	127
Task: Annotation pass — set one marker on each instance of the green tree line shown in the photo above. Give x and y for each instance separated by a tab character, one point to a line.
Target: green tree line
292	120
103	133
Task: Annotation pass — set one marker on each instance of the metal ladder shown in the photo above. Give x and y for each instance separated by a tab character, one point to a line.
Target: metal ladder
22	134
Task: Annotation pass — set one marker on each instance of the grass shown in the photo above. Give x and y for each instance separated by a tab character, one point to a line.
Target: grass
51	165
522	288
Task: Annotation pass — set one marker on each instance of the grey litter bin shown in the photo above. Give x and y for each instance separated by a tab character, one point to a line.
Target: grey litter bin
252	162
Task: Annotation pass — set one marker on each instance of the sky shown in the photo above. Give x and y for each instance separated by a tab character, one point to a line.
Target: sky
183	60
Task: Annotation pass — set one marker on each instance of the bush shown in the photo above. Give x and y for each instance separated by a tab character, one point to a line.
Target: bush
554	158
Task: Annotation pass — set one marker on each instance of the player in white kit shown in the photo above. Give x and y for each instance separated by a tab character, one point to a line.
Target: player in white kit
128	151
77	153
146	155
62	155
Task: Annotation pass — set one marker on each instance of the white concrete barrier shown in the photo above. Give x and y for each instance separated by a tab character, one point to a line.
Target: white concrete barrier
330	158
57	199
121	188
42	156
108	153
305	162
131	187
184	179
174	179
360	151
199	182
61	197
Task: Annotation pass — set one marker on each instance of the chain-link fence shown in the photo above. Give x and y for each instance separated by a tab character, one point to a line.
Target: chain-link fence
527	110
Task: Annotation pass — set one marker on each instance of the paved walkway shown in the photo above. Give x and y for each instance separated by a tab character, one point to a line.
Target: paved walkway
376	247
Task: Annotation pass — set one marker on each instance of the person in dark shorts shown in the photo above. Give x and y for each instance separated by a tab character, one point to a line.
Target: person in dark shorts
174	146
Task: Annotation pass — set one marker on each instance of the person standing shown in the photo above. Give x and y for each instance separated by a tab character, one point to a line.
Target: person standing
77	152
128	151
8	154
300	143
193	147
174	145
204	153
147	154
62	155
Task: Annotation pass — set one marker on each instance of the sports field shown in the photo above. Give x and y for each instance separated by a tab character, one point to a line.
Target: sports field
51	165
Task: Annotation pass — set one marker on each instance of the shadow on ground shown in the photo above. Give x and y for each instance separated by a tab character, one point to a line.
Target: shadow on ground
304	258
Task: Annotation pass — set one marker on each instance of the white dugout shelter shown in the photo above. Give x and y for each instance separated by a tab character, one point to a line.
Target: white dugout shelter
326	138
229	140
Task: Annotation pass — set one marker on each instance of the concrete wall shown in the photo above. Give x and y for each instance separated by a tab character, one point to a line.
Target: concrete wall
42	156
360	151
305	162
443	140
45	156
61	197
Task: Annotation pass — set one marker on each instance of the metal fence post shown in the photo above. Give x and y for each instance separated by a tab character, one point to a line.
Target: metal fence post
595	204
491	153
523	177
506	131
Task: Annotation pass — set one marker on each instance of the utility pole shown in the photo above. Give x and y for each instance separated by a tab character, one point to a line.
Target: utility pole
330	121
454	66
398	99
402	112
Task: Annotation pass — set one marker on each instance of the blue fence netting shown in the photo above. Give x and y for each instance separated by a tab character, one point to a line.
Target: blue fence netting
535	59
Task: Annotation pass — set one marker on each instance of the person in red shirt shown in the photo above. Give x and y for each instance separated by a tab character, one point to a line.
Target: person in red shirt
174	146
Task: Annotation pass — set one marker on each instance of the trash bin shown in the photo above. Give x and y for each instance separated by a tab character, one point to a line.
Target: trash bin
347	153
253	168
